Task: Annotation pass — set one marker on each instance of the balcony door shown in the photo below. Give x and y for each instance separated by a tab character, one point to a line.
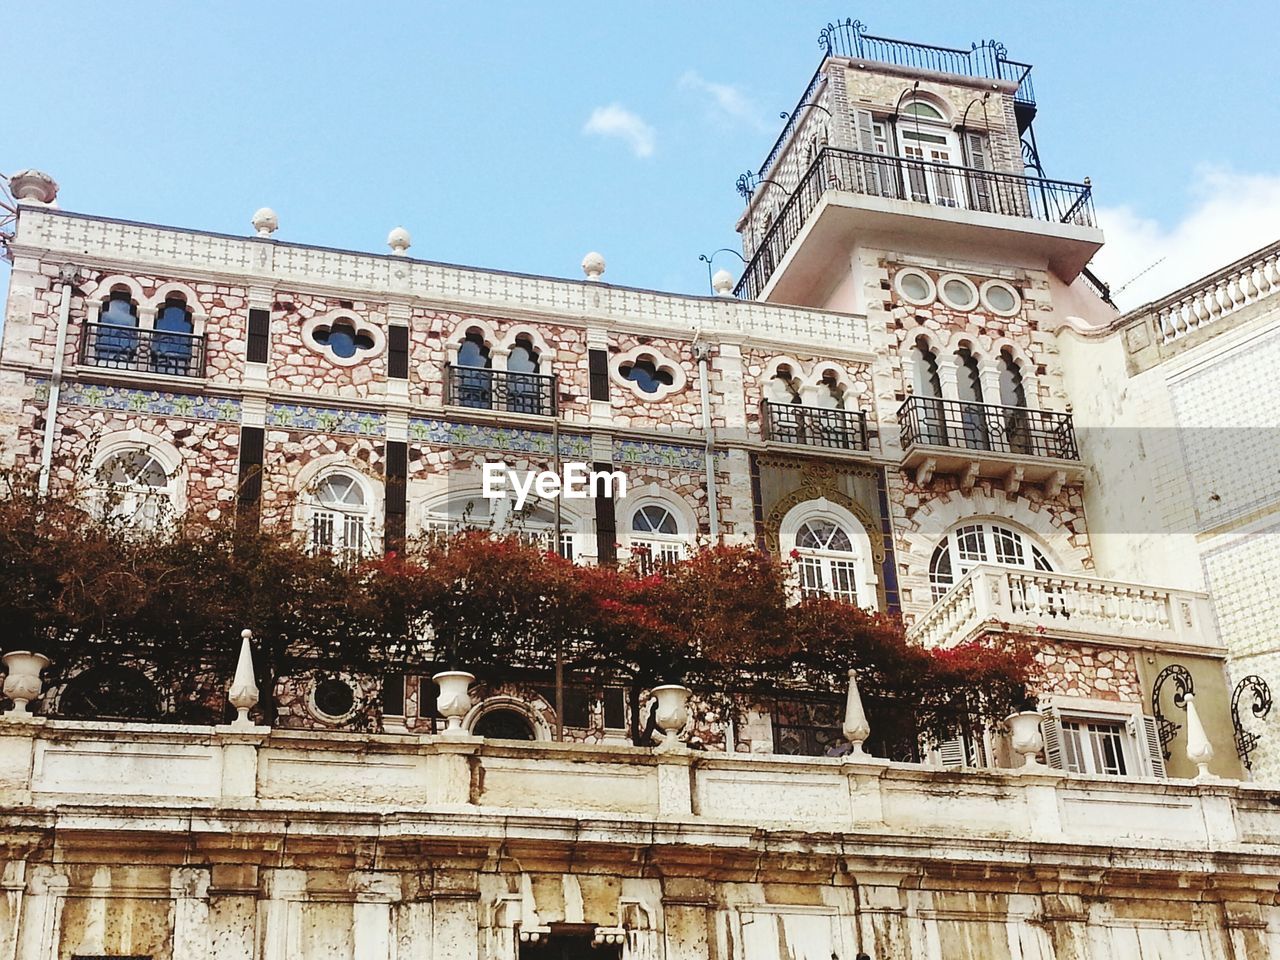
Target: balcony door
931	155
965	547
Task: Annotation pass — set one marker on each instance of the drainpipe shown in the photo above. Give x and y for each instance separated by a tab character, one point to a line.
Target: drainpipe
702	353
67	274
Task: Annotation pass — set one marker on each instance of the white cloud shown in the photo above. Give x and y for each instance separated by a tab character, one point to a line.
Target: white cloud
1232	215
728	101
615	120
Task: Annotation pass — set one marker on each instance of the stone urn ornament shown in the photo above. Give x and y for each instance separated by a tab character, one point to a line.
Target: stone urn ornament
672	714
22	683
1025	736
34	186
454	701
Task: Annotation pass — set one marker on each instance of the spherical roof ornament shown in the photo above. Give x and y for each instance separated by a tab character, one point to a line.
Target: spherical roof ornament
265	222
399	241
722	283
593	266
34	186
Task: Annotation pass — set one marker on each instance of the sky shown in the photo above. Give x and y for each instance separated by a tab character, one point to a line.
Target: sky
519	136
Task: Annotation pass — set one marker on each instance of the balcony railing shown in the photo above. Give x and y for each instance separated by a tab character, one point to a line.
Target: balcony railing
986	59
142	351
482	389
917	181
964	425
813	426
1033	601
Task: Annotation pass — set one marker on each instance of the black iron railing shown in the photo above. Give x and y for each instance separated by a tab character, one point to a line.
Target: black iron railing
918	181
965	425
986	58
142	351
482	389
814	426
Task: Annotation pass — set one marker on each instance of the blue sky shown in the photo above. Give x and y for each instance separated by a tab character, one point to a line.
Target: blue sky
470	123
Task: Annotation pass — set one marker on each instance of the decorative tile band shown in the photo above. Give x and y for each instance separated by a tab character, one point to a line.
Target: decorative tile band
155	403
506	439
294	416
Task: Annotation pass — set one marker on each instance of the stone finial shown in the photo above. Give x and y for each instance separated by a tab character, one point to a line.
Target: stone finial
34	186
265	222
399	241
244	688
722	283
593	266
1199	749
856	729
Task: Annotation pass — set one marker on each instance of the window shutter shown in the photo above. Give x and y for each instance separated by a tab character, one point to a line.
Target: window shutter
598	362
249	485
259	334
952	752
398	352
397	465
872	172
606	525
1051	730
979	159
1149	744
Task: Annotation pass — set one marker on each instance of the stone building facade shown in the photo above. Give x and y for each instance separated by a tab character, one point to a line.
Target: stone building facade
891	399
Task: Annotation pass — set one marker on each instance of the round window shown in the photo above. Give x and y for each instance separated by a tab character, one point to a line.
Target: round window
959	293
1000	297
334	698
915	287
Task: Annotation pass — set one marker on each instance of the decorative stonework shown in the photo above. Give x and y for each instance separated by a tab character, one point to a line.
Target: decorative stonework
154	403
326	419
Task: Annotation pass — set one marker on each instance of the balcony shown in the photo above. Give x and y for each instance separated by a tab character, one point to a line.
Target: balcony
823	427
136	350
530	394
1067	607
1014	444
846	192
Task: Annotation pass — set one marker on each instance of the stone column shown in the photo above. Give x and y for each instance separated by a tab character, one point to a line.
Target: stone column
1245	928
41	913
233	911
191	932
881	914
1066	920
455	927
371	914
13	882
687	911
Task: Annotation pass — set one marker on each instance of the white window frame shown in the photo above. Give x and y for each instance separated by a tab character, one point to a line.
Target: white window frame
963	560
437	517
348	529
859	559
658	547
1139	737
140	518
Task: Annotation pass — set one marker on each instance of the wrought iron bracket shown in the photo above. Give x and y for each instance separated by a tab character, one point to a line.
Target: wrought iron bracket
1183	685
1246	740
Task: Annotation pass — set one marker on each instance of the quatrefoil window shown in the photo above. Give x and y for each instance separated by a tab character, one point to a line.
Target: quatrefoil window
343	338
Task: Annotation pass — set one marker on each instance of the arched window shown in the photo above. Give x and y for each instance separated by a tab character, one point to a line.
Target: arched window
929	421
974	543
339	518
828	565
473	383
524	385
116	340
503	723
969	389
655	536
1012	391
928	140
172	343
109	692
829	395
132	487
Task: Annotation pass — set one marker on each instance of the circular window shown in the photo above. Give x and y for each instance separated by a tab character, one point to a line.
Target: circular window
333	699
957	292
914	286
1000	298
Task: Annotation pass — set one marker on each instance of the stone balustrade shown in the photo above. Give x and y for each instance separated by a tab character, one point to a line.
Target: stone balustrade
263	262
61	766
1217	296
1067	606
